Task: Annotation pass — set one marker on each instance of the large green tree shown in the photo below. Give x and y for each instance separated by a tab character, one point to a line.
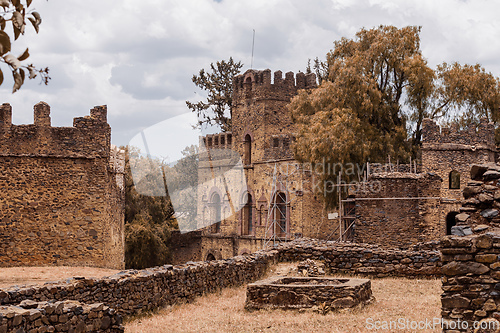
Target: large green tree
15	15
218	84
375	91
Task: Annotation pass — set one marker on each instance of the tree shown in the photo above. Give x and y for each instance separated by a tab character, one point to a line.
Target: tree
357	113
216	110
468	93
149	222
17	12
375	92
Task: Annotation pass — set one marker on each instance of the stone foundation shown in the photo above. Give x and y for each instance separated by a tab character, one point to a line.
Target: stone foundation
305	292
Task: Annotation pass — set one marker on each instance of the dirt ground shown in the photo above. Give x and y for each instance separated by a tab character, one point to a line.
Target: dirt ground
38	275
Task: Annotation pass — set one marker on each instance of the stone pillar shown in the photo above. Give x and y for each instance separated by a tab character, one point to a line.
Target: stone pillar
5	115
42	114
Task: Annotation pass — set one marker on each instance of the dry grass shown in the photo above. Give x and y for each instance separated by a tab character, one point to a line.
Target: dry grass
36	275
415	300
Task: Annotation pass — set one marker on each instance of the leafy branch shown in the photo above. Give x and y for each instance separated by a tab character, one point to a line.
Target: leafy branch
17	13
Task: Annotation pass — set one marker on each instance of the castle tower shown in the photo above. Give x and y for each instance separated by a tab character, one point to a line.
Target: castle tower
262	126
62	192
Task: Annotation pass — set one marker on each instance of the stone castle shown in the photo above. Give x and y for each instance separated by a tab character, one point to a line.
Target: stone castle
411	204
63	197
277	188
61	192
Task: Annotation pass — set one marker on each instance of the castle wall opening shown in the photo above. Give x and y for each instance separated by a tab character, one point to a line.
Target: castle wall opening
450	221
454	180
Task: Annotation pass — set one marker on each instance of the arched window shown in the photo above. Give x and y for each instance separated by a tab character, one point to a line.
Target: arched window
215	214
247	215
454	180
247	150
450	221
280	214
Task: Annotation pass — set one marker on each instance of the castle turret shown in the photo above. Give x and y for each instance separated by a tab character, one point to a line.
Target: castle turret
262	126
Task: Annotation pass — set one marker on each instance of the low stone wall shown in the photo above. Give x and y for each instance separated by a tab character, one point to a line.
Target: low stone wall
364	259
131	292
65	316
471	282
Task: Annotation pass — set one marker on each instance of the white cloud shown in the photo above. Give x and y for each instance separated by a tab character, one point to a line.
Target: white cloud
138	57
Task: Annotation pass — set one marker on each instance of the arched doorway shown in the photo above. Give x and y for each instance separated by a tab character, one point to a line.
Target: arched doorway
210	257
280	214
450	221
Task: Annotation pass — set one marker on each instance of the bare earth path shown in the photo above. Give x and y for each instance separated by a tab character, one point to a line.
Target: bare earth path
38	275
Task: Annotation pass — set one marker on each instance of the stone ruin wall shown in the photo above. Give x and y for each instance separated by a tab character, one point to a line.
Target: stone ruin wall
471	281
471	262
60	316
387	214
447	149
61	192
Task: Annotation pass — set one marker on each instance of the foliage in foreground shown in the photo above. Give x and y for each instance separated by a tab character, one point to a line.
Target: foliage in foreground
17	12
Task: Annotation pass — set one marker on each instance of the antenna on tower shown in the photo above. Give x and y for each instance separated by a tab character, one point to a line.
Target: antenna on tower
253	44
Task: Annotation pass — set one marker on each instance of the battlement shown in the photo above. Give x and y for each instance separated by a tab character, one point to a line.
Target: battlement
256	83
88	138
481	136
218	141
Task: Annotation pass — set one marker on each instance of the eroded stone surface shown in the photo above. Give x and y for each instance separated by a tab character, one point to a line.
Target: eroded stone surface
307	292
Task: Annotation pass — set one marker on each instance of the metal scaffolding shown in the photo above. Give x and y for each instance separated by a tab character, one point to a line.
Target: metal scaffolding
279	204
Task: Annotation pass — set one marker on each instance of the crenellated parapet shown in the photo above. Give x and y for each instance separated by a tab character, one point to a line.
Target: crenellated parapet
257	84
89	137
222	140
481	136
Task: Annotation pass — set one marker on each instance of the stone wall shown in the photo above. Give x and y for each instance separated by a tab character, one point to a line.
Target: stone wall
365	259
62	316
61	192
131	291
399	209
471	281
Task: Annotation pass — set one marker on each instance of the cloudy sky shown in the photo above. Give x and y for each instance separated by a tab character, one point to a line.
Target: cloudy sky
138	57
